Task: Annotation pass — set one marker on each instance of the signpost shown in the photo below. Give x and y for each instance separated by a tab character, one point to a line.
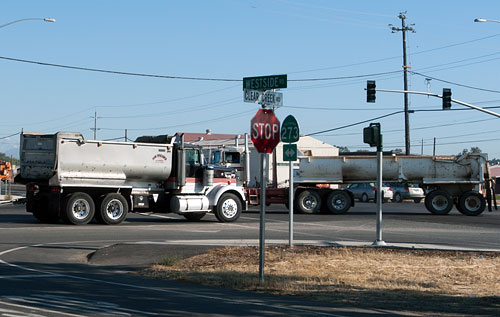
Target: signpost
265	135
290	134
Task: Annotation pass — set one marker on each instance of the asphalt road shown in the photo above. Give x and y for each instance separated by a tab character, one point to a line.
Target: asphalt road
61	270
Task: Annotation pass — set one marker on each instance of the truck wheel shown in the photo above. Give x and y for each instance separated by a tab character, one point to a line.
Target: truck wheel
194	216
113	209
338	202
228	208
471	203
79	209
438	202
364	198
309	202
398	198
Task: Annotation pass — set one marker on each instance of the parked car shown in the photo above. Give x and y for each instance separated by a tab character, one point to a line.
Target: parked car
404	191
366	191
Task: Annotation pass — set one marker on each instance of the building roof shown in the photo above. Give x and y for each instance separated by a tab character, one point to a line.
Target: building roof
207	136
495	171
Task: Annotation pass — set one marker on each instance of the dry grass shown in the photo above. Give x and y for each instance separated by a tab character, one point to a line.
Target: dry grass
417	280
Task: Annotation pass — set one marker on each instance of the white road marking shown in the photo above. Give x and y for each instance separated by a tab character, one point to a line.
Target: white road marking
38	309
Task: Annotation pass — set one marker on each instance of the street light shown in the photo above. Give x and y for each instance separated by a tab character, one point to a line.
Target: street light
486	20
25	19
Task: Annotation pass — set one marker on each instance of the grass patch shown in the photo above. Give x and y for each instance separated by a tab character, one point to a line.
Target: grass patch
415	280
170	260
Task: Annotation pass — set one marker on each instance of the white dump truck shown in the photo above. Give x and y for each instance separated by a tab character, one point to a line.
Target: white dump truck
448	180
462	181
77	180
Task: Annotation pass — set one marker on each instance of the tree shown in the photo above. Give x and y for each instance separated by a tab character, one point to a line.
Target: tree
473	150
342	148
6	158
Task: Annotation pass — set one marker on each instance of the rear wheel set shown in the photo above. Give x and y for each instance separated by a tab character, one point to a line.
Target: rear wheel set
80	209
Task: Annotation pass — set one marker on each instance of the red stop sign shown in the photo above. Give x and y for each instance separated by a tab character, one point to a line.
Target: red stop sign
265	131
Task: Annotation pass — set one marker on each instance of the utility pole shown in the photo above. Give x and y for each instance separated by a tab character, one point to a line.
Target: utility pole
95	125
403	30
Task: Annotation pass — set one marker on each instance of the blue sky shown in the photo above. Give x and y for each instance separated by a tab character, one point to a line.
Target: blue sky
346	42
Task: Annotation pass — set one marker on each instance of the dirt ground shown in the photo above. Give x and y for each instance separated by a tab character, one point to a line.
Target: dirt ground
427	282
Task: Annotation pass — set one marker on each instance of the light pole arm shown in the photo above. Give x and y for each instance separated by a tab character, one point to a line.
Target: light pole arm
25	19
486	20
440	96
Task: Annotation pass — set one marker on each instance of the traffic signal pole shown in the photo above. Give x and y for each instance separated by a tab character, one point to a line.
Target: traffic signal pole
441	96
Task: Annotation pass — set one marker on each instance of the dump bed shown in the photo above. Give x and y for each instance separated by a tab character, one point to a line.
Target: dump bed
67	159
472	169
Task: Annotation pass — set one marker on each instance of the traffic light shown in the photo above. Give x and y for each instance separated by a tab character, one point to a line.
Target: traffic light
372	136
370	91
446	98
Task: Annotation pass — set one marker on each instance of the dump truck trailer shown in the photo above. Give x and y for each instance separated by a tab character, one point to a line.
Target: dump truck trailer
463	181
77	180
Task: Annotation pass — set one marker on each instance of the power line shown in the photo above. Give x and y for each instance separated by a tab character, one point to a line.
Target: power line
184	124
115	72
356	123
8	136
179	77
453	83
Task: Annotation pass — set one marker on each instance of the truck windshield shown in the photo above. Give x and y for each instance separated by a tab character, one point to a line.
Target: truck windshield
216	157
232	157
192	157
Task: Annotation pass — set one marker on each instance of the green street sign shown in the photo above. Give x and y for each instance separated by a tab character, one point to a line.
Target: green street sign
290	130
289	152
265	82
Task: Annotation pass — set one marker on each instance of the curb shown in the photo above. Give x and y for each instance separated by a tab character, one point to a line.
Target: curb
255	242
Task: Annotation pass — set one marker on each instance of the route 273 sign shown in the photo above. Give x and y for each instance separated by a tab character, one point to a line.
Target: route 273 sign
290	130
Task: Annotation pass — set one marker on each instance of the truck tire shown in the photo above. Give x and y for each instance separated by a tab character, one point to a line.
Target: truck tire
194	216
113	209
471	203
308	202
438	202
228	208
338	202
80	209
